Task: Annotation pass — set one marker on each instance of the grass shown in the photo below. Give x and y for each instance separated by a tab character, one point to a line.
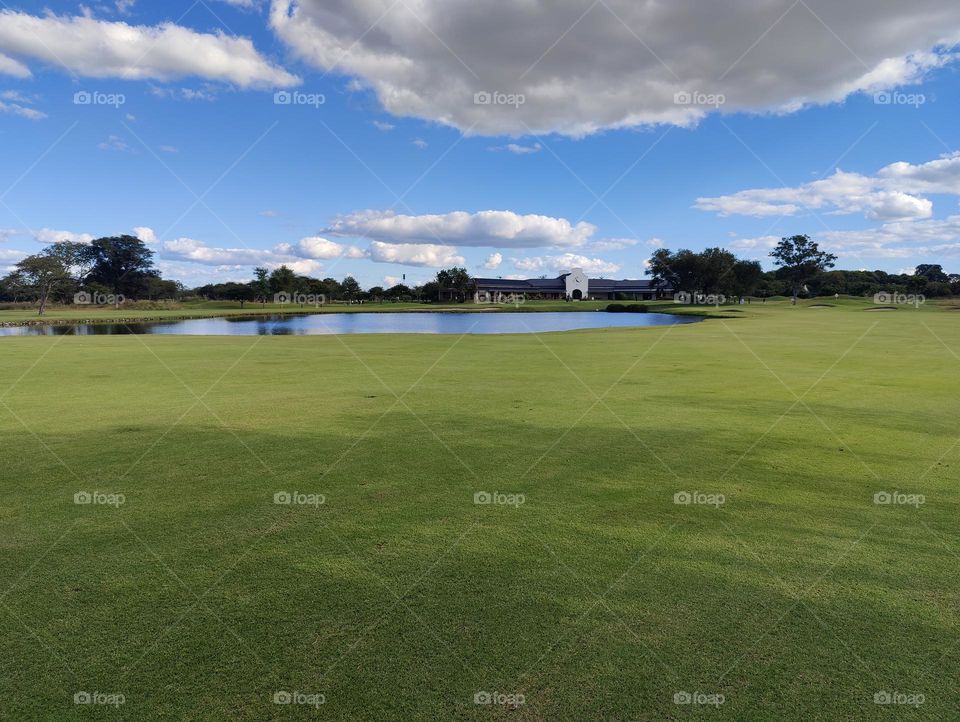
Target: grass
399	598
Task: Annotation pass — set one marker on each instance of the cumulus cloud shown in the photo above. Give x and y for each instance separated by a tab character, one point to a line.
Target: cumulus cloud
49	235
565	262
316	247
493	261
499	229
891	194
145	234
506	67
304	256
100	49
429	255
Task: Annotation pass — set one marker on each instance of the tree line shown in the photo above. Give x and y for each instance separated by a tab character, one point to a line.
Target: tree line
802	269
120	268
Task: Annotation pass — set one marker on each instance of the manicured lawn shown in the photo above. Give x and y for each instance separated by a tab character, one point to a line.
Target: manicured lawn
399	598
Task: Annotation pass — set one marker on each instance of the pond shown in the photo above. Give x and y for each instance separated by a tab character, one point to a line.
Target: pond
346	323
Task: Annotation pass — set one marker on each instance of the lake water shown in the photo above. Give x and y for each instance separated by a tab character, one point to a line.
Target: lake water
346	323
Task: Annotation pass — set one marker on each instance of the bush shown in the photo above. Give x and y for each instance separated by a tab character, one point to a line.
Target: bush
628	308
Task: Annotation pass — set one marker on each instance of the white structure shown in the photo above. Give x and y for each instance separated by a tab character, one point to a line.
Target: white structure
577	284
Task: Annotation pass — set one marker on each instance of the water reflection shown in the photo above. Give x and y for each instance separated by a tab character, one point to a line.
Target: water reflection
349	323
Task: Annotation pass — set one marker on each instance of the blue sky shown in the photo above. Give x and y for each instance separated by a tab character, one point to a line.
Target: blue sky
385	162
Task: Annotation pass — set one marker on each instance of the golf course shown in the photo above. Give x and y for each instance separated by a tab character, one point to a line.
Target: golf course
751	517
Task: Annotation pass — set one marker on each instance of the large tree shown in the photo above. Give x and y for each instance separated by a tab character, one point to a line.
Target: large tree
800	260
43	273
121	263
454	282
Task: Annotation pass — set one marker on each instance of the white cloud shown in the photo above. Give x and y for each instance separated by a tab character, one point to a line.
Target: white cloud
518	149
891	194
565	262
613	244
21	110
304	256
271	214
381	125
619	63
316	247
49	235
145	234
100	49
188	249
6	233
420	143
391	281
115	142
169	149
416	254
9	66
493	261
499	229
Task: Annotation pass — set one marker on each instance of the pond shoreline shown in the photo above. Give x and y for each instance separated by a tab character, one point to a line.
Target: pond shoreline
187	316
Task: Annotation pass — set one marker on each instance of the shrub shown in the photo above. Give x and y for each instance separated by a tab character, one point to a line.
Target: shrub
616	308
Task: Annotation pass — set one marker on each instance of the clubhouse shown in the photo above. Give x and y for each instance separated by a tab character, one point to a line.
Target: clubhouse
574	286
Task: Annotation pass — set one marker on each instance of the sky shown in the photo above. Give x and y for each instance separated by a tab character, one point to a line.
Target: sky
386	139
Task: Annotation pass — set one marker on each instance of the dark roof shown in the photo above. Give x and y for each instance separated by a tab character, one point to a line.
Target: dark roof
559	285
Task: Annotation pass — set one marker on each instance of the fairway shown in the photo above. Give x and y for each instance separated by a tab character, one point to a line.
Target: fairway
585	589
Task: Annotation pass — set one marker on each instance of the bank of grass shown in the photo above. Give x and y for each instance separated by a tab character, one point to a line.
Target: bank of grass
399	598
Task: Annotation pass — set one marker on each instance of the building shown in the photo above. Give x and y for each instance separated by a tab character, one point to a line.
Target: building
574	286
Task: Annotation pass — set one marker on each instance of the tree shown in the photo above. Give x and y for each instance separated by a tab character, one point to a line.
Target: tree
399	292
800	260
42	273
745	277
283	280
241	292
121	263
453	283
350	289
932	272
376	293
681	270
261	283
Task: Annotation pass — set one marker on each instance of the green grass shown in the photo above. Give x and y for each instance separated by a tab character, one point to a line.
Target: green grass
399	598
